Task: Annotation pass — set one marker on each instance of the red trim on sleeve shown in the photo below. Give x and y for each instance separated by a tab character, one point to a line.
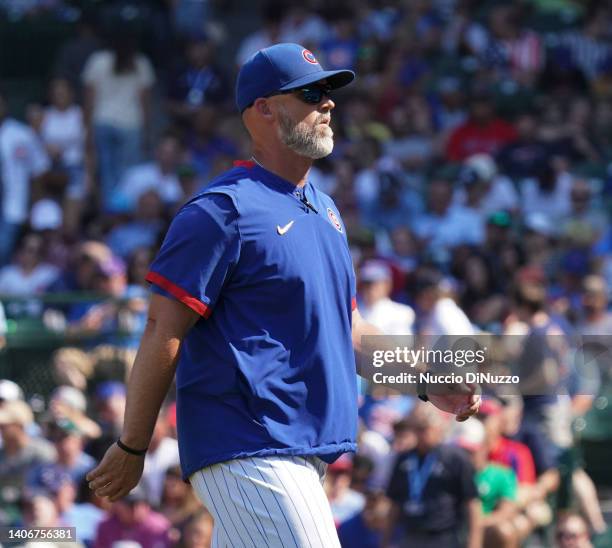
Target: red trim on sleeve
353	303
244	163
180	294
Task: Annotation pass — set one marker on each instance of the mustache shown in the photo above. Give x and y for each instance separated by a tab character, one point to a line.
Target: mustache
323	119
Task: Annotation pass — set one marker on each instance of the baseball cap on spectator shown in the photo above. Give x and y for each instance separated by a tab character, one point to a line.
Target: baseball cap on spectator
469	434
113	266
46	215
501	219
342	464
283	67
375	271
478	167
10	391
108	389
16	412
62	427
71	397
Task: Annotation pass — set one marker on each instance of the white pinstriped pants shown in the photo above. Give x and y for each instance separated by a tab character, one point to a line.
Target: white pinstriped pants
273	501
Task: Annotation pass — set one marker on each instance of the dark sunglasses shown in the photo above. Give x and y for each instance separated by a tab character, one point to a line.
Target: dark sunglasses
311	95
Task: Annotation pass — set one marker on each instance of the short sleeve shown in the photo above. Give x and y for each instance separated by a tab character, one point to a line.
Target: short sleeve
146	74
198	254
94	68
38	159
508	485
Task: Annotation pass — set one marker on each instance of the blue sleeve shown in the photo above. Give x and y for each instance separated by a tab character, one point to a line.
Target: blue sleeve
199	252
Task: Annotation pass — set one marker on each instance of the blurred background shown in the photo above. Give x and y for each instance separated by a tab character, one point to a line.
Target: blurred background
473	169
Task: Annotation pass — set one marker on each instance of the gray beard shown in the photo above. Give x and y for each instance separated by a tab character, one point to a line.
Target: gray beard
304	140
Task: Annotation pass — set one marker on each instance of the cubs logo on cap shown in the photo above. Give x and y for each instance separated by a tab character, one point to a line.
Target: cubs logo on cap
334	219
309	56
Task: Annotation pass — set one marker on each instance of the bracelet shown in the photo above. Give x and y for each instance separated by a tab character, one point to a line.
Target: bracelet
137	452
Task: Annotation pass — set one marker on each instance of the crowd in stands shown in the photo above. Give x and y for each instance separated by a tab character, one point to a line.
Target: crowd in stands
473	170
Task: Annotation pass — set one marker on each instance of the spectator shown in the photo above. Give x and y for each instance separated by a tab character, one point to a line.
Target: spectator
86	514
572	532
19	451
390	317
198	82
432	488
272	16
133	519
178	501
483	132
367	528
69	403
160	175
198	532
68	441
440	313
444	225
144	227
548	194
521	157
485	190
63	134
163	454
595	318
23	162
28	275
497	488
344	501
118	85
71	367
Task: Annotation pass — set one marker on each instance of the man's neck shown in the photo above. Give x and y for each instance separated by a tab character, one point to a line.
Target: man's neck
285	163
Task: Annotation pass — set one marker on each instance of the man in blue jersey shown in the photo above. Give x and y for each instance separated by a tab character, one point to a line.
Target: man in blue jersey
254	285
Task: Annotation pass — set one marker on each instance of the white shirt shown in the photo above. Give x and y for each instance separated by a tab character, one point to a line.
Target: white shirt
502	195
155	466
65	129
555	205
3	327
390	317
22	157
117	96
13	281
447	318
142	177
459	225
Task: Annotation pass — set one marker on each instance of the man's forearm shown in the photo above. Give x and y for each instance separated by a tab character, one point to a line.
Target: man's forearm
149	382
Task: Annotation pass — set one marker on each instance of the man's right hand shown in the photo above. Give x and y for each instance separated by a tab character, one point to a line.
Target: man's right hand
117	474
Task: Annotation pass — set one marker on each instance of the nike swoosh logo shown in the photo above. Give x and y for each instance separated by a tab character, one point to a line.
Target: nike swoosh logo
284	229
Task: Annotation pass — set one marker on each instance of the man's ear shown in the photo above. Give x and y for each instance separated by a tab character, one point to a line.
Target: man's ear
263	107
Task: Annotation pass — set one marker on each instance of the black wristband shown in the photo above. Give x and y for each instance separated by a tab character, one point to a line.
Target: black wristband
422	390
137	452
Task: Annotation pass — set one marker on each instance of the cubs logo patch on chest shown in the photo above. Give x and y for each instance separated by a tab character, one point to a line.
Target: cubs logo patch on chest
334	219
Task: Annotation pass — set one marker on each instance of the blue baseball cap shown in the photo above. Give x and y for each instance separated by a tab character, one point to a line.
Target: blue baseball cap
282	67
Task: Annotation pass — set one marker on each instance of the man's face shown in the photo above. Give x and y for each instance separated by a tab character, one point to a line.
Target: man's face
572	533
304	128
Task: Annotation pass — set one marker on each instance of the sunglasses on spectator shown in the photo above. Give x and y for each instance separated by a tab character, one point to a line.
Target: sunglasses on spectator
311	95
